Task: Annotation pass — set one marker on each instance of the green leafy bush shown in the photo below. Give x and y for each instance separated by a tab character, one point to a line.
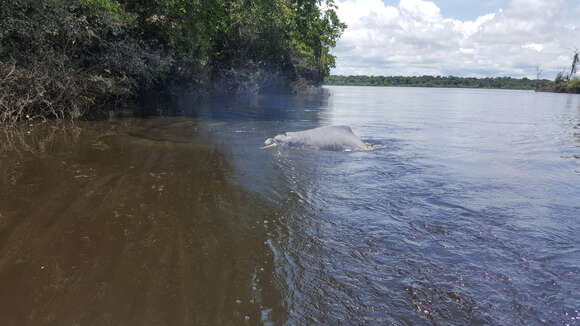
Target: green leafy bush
79	57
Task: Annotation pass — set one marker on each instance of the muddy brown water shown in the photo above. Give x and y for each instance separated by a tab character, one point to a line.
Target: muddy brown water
127	223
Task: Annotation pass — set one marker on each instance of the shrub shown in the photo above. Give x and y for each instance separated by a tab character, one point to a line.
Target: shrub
38	93
63	59
573	86
71	58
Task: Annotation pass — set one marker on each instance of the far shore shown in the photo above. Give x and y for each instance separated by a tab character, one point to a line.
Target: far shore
439	82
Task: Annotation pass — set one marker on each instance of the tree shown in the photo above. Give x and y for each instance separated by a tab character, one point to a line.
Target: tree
575	61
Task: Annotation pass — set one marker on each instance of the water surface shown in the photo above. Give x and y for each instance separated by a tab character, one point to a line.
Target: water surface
469	215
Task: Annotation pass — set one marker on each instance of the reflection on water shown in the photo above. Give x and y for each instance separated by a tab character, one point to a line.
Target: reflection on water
131	223
469	215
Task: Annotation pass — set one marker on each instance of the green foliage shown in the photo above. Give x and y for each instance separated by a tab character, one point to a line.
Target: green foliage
287	37
438	81
111	7
571	86
111	50
565	82
317	28
71	56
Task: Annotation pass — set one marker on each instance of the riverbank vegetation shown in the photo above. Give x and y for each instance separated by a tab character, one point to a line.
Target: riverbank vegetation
438	81
79	58
570	86
566	82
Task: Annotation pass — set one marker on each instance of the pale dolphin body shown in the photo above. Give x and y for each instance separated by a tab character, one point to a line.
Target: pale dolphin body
330	138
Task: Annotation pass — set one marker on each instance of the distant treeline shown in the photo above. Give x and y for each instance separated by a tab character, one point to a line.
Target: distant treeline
438	81
72	58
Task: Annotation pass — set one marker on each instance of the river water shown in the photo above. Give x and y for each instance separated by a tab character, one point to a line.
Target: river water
468	215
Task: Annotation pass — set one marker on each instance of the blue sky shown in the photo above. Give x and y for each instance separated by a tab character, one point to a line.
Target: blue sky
459	37
464	9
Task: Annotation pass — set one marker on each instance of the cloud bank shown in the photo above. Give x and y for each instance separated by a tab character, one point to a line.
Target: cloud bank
414	38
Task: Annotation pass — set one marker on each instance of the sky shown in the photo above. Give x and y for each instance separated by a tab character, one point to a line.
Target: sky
478	38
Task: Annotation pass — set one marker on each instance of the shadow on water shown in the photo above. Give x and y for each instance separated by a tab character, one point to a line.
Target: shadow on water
133	222
270	107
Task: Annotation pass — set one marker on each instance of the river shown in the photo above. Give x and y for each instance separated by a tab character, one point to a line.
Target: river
468	215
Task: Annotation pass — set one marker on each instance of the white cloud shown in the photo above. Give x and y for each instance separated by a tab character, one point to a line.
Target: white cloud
420	10
414	38
533	46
